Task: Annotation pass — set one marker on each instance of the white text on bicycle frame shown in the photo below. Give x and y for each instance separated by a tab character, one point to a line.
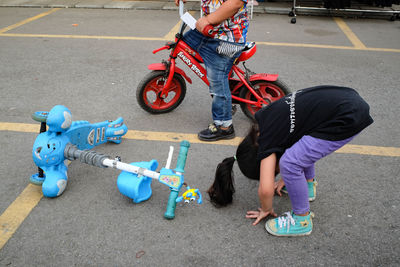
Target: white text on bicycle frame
190	64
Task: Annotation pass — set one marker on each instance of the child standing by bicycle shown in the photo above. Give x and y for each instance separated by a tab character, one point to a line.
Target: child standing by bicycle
230	22
291	135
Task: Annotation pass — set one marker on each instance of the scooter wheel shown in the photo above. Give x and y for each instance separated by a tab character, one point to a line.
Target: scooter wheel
269	91
40	116
149	97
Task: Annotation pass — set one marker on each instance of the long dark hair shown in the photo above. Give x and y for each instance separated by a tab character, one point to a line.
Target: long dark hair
221	191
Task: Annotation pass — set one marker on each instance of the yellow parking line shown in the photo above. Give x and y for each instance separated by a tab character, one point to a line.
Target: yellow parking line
177	137
329	47
192	138
6	29
20	127
168	38
370	150
175	29
70	36
357	44
349	33
16	213
172	32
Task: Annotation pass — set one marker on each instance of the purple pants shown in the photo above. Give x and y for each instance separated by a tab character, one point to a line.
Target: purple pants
297	166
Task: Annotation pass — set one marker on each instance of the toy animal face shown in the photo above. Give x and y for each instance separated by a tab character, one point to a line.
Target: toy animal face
59	119
48	152
189	195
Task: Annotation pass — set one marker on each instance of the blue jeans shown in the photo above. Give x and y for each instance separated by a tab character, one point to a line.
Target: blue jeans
218	67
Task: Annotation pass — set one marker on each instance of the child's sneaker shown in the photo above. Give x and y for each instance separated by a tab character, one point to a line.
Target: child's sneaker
215	133
290	225
312	190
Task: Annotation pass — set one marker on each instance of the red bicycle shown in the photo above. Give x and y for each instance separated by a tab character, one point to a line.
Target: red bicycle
164	88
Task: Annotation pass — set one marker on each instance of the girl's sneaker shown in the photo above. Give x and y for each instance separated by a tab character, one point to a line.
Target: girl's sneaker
312	190
290	225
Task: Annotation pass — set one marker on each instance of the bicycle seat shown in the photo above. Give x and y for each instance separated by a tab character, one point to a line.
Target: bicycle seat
248	51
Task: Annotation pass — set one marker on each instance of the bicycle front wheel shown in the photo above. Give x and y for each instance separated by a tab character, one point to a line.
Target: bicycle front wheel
149	97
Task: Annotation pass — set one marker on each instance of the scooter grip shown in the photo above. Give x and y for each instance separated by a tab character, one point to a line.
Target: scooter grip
170	212
208	31
180	165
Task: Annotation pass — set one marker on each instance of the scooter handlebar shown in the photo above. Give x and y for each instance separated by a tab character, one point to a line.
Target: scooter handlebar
180	166
170	212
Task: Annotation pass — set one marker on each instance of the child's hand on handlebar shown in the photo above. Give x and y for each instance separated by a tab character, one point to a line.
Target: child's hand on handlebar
201	24
204	26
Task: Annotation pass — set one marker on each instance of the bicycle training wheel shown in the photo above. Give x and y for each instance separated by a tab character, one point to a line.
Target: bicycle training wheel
149	97
269	91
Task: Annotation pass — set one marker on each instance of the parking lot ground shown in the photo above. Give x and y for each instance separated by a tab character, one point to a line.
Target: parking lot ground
91	61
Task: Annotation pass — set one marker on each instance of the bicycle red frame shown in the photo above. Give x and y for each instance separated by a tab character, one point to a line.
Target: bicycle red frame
193	60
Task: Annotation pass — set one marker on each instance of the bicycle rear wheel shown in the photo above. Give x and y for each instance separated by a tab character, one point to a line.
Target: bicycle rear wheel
269	91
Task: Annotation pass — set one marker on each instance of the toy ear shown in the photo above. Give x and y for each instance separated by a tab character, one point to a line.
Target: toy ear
68	120
59	119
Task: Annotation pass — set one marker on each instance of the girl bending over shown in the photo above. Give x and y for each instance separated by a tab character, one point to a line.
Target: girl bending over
292	134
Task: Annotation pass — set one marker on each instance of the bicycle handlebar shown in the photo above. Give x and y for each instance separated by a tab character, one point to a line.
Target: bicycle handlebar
189	20
181	6
208	31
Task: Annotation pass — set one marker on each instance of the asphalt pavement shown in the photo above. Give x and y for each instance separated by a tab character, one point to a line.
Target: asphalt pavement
283	7
92	60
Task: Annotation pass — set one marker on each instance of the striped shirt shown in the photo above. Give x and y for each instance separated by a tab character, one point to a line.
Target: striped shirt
233	29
